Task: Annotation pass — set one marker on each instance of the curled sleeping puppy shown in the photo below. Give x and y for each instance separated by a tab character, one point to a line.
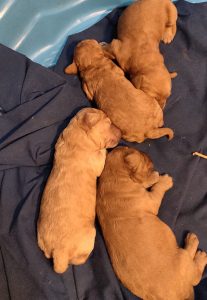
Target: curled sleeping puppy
136	114
140	29
143	249
66	229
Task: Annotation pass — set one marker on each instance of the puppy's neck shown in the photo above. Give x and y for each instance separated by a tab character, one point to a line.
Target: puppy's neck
126	199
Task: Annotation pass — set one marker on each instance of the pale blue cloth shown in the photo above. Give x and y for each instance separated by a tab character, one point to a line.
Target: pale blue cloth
39	28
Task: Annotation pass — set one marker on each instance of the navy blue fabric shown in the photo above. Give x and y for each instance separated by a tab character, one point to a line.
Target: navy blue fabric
36	104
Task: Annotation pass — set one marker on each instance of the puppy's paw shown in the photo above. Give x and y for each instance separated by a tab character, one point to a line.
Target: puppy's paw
173	75
201	260
168	35
192	239
167	181
191	243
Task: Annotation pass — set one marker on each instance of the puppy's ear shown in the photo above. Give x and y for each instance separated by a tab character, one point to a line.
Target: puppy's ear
132	161
108	50
137	81
107	53
88	120
71	69
88	92
140	169
173	74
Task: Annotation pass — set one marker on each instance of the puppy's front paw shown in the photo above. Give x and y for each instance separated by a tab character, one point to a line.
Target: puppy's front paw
192	239
168	35
167	181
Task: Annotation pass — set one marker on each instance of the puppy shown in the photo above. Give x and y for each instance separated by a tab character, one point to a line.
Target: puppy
141	27
66	222
143	249
136	114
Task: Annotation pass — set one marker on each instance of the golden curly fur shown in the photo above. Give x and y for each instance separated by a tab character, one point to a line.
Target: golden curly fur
66	229
136	114
140	29
143	249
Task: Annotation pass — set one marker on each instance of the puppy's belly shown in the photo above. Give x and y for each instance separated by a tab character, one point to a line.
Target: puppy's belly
143	253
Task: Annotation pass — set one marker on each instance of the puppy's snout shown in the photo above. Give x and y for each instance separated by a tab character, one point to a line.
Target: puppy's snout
154	177
103	43
115	136
116	131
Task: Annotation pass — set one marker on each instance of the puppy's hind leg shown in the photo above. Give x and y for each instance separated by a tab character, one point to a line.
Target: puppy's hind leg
200	261
170	27
191	244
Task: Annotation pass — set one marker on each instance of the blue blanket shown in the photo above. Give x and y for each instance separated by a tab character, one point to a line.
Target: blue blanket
37	103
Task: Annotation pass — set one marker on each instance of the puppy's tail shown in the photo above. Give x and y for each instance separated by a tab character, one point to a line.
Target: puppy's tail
159	132
60	261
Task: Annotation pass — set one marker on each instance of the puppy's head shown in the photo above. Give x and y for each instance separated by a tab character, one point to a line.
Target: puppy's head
86	52
98	128
155	83
140	168
134	164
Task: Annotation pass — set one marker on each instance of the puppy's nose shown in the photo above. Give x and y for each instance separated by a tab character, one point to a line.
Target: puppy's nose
103	43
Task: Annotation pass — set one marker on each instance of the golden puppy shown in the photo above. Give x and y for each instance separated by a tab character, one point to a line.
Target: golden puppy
143	249
141	27
136	114
66	229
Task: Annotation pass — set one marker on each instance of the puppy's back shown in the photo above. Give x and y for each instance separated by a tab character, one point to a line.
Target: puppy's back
126	106
144	16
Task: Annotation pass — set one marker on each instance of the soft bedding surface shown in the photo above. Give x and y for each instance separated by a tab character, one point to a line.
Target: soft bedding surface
37	103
